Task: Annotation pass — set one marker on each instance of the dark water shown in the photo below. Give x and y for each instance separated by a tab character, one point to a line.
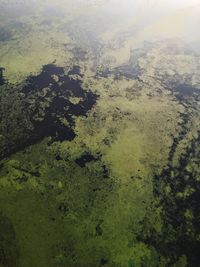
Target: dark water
129	71
85	159
2	80
185	91
13	30
4	35
75	70
189	95
79	53
178	179
60	105
47	105
176	140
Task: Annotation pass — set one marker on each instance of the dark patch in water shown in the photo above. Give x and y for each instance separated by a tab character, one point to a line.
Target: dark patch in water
176	140
99	230
2	80
43	80
79	53
188	96
103	262
13	30
186	90
127	71
5	35
179	179
58	157
75	70
181	87
63	208
86	158
183	92
105	171
130	70
60	106
46	104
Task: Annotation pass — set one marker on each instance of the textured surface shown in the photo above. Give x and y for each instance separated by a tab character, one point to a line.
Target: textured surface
99	133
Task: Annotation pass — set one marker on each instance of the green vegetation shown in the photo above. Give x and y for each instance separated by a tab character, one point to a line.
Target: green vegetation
99	141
